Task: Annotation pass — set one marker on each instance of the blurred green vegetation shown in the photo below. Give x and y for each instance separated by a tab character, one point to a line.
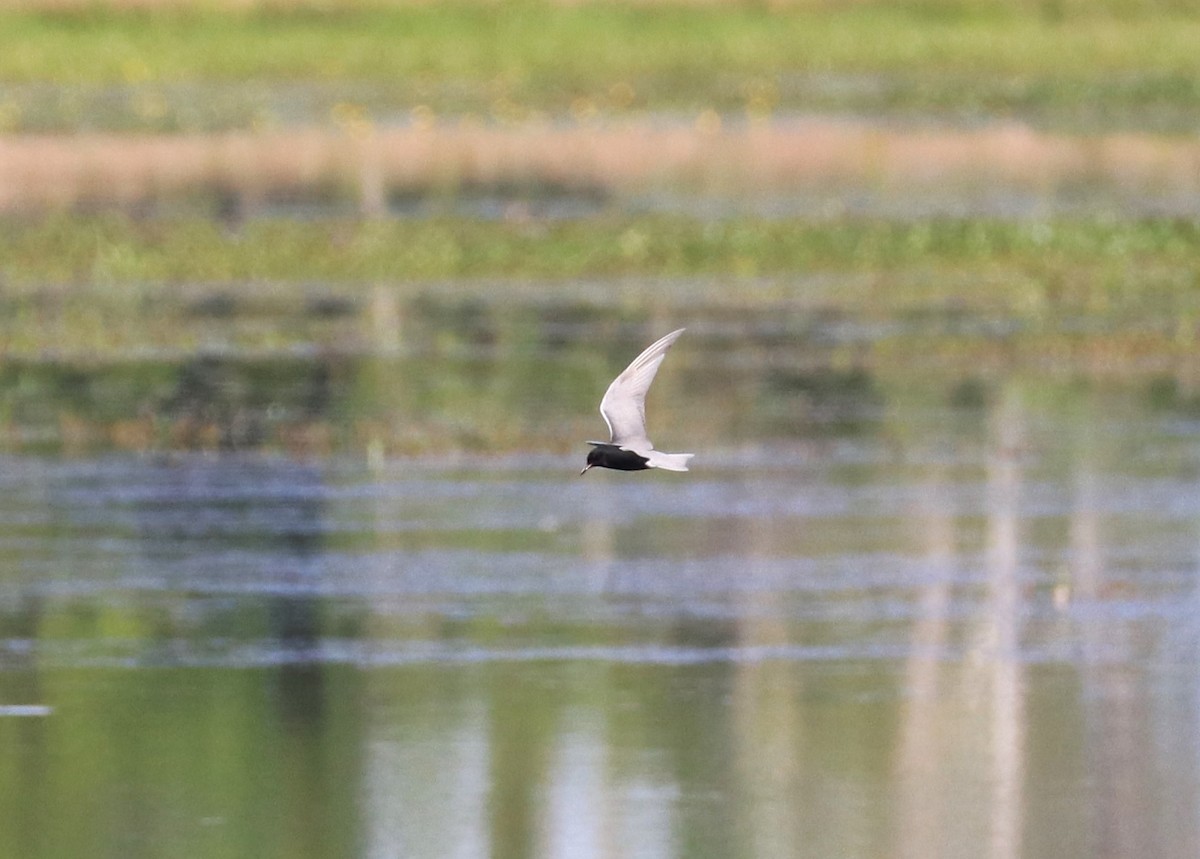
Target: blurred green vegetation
1096	264
514	60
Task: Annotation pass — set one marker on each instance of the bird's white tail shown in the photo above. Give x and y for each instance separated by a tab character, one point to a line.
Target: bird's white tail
668	461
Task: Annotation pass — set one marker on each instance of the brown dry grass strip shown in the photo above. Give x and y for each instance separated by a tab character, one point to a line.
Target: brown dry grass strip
38	172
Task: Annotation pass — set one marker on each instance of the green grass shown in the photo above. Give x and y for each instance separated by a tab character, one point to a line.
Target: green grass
510	57
1081	265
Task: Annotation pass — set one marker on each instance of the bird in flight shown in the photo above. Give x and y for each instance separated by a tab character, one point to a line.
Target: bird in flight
624	410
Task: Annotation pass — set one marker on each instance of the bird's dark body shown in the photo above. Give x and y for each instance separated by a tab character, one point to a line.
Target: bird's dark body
611	456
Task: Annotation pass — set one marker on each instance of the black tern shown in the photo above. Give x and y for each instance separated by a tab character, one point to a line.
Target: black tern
624	410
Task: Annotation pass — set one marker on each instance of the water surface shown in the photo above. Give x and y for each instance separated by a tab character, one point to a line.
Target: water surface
873	621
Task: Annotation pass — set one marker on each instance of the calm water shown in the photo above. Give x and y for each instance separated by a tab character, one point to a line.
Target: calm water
887	623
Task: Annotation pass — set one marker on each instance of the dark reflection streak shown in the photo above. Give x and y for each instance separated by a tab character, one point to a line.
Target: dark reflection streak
294	621
694	725
1113	728
521	737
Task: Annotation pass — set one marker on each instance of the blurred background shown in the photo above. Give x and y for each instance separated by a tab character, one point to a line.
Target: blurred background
307	308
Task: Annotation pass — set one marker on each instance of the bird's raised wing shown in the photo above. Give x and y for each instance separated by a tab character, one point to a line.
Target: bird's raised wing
624	403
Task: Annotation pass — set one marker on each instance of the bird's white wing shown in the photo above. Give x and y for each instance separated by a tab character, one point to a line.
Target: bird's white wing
624	403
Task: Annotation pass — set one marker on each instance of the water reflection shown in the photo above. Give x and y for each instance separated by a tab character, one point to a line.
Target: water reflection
954	625
420	376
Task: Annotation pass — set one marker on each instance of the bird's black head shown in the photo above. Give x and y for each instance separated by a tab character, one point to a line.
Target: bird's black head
595	457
